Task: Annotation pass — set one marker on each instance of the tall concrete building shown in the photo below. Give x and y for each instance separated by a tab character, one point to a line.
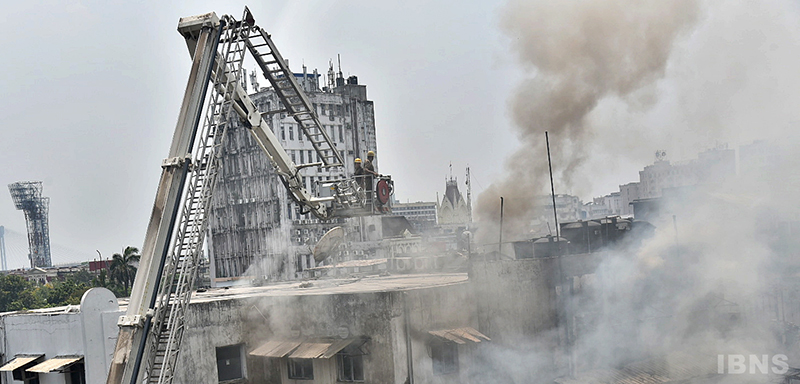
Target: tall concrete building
255	229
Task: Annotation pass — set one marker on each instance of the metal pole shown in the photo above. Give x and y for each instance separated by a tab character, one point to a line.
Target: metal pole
552	187
562	300
500	243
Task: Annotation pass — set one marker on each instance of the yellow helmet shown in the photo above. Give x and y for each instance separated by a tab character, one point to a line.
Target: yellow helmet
358	161
370	153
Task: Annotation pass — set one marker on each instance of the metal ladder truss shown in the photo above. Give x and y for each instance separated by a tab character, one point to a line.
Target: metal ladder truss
180	268
294	100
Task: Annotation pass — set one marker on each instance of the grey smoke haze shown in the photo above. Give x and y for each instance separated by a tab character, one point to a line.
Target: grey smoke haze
723	73
577	53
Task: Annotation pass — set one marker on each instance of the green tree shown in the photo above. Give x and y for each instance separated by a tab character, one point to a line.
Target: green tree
67	292
122	269
11	287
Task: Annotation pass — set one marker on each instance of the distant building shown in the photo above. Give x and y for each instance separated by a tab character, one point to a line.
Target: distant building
608	205
569	208
453	211
255	228
422	214
711	166
627	194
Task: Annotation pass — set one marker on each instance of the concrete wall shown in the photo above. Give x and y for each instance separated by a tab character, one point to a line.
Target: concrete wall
518	310
90	332
377	316
440	308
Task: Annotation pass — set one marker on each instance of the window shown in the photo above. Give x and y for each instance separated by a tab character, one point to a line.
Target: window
283	133
301	369
301	157
76	374
291	132
445	358
350	364
22	375
230	362
341	136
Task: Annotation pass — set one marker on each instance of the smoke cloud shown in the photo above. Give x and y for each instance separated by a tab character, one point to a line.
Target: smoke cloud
622	79
577	53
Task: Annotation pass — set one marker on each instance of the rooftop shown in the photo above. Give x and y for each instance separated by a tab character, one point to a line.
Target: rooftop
367	284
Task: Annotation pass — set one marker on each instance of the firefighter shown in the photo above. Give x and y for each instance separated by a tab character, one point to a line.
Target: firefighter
359	172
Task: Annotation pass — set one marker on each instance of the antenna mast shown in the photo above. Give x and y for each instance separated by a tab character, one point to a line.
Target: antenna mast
469	195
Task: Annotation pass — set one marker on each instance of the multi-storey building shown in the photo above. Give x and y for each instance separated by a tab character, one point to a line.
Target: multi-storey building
422	214
255	229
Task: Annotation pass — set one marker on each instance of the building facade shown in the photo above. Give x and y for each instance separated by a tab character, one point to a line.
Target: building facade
72	344
453	211
255	229
422	214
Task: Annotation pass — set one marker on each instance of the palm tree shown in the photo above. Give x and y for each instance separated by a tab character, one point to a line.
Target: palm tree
122	269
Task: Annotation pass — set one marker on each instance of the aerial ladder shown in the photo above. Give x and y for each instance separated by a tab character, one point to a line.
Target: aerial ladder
152	328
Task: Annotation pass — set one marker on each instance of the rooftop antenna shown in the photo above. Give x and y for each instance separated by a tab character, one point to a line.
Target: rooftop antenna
500	242
339	59
469	195
331	76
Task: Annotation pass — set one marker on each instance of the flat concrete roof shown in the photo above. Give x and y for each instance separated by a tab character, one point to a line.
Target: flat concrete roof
350	285
327	286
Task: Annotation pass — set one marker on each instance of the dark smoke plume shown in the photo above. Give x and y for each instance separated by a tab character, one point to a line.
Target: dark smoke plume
577	53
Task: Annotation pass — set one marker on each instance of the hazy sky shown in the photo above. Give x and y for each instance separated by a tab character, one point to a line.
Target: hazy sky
91	91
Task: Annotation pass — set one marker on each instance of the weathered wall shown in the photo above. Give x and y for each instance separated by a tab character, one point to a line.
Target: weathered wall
210	325
439	308
90	333
518	310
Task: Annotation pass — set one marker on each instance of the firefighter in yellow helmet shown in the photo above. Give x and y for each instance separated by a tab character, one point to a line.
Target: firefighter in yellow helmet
359	172
369	174
369	167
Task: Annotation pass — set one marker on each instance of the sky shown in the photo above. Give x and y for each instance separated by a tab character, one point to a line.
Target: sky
91	92
91	97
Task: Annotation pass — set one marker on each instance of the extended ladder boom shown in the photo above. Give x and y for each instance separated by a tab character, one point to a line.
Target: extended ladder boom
152	328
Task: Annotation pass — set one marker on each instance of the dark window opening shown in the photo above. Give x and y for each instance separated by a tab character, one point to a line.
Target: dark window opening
301	369
350	364
230	362
76	374
21	374
445	358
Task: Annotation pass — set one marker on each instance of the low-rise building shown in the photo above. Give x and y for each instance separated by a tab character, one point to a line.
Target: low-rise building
71	344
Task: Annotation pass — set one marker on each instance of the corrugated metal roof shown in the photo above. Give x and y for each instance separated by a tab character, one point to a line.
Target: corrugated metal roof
310	350
460	335
275	348
338	346
19	361
55	364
